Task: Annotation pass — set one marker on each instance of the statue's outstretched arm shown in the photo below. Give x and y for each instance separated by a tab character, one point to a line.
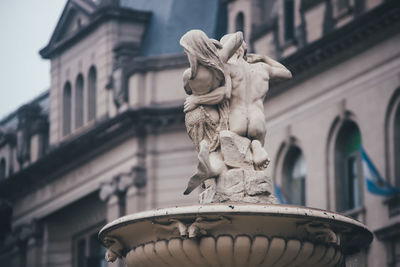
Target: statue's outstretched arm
214	97
230	47
276	69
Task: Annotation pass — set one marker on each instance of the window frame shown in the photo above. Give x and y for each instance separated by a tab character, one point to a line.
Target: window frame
3	168
341	169
67	114
79	101
92	94
292	155
289	38
392	127
86	236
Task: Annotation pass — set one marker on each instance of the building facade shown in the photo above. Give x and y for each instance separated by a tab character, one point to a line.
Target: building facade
108	138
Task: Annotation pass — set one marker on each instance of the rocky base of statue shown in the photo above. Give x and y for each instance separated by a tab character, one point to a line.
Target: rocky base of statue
242	181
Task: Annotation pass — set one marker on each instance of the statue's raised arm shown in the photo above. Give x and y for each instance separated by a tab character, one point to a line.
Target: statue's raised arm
276	70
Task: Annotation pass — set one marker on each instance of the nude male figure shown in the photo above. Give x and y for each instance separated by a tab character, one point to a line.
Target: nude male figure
250	84
250	76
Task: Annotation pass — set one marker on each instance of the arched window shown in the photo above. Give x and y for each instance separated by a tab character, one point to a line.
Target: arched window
2	169
240	22
396	139
67	101
392	140
79	101
294	177
348	167
92	94
288	19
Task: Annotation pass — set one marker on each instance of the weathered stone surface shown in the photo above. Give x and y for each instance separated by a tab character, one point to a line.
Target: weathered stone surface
238	185
236	150
257	183
208	194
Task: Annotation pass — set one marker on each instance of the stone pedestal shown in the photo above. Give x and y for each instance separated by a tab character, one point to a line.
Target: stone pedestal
241	182
238	185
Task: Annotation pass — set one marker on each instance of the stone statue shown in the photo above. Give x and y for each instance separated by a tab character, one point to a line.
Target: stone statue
225	114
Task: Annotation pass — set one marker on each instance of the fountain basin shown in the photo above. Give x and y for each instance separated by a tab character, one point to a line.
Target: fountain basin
234	235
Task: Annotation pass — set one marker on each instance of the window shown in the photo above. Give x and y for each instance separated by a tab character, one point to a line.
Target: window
348	167
79	101
288	19
2	169
240	22
396	139
92	94
392	139
294	177
342	4
67	101
89	251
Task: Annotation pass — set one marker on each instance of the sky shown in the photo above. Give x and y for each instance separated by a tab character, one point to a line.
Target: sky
25	28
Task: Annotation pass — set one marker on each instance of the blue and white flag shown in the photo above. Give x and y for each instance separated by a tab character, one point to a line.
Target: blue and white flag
375	183
278	194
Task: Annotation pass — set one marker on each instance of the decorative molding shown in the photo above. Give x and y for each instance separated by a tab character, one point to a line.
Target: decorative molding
194	228
356	36
308	4
125	124
120	183
156	63
261	30
319	233
393	205
114	249
241	250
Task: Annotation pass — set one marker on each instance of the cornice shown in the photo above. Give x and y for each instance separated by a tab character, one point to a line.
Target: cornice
388	232
157	63
357	36
133	120
307	4
260	31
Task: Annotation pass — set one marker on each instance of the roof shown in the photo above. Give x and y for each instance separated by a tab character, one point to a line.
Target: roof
166	20
10	122
174	18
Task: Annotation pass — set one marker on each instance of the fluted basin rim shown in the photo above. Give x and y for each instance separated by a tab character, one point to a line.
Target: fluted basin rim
232	208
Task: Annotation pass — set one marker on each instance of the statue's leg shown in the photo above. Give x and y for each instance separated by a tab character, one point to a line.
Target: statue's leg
260	156
256	132
217	164
203	168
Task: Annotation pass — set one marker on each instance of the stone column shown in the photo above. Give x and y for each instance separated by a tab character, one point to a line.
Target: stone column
135	196
124	193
